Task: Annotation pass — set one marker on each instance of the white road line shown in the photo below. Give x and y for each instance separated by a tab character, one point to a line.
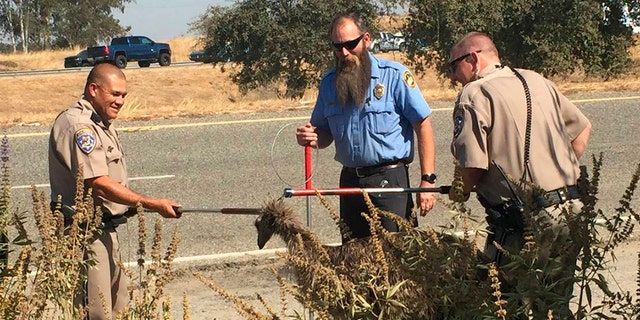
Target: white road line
268	253
46	185
212	258
301	118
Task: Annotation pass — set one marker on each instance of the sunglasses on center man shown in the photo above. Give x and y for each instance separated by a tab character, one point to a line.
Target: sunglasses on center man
453	64
349	45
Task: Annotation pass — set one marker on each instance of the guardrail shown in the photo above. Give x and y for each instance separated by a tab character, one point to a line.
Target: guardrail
79	69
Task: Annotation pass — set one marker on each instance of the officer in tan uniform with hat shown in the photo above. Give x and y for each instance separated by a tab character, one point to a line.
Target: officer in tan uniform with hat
517	122
83	137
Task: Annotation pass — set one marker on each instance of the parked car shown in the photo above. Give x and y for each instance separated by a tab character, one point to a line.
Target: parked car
79	60
198	56
376	39
385	41
132	48
631	23
207	56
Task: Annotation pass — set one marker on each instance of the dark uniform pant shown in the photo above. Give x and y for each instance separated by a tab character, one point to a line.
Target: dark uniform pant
106	286
557	256
351	206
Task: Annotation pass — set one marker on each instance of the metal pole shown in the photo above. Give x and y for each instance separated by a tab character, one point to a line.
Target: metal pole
252	211
308	185
290	192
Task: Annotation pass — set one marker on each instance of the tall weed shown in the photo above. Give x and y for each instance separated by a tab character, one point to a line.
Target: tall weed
40	275
433	274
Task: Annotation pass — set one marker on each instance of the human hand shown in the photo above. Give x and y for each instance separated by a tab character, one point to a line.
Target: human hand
165	207
426	200
306	135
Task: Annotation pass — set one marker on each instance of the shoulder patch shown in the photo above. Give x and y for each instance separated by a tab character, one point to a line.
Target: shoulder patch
408	79
86	140
458	121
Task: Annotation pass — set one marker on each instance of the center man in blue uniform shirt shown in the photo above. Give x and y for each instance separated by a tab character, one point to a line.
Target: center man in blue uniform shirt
371	107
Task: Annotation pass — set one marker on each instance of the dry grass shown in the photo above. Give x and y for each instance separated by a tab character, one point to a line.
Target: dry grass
194	90
153	92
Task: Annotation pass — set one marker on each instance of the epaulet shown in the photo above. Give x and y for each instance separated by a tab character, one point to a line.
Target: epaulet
390	64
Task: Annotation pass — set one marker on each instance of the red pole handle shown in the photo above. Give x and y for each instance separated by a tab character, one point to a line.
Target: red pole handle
307	167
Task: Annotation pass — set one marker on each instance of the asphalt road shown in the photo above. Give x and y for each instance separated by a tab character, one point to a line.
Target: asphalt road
245	160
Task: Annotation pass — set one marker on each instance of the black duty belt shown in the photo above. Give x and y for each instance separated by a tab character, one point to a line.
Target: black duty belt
379	168
109	220
557	196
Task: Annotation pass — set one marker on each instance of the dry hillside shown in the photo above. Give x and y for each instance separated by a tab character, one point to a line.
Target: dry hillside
193	90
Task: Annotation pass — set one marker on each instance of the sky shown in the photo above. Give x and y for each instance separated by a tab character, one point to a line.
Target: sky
163	20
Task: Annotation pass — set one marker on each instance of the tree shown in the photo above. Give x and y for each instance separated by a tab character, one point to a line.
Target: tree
555	37
43	24
7	15
276	42
87	22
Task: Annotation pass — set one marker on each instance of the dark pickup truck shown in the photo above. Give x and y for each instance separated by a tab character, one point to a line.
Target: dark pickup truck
131	48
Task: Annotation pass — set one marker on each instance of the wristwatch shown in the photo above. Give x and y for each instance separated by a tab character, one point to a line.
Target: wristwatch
429	177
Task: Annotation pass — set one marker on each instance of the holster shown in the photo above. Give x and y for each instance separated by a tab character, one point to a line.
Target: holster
506	221
508	214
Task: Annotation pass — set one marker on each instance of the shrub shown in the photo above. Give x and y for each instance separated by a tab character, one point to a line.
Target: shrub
43	276
429	274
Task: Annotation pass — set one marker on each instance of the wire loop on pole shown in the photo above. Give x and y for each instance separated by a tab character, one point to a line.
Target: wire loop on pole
273	165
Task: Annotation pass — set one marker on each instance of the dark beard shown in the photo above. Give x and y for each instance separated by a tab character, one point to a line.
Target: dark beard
352	79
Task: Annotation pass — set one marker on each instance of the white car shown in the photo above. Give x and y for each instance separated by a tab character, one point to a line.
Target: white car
385	41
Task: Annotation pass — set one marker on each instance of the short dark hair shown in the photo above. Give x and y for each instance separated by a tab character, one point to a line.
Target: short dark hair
348	16
100	71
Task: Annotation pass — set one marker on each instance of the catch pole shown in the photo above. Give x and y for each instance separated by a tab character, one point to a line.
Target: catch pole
308	185
290	192
251	211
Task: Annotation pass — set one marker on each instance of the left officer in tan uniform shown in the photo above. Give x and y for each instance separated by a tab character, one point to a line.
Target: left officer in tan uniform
517	121
83	136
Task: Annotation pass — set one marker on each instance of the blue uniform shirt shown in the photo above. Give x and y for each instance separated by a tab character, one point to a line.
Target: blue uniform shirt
382	130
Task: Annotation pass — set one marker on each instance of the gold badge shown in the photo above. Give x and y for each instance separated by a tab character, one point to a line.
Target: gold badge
378	90
408	79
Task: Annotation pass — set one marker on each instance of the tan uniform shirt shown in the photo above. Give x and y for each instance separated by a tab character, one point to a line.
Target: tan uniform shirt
79	138
490	124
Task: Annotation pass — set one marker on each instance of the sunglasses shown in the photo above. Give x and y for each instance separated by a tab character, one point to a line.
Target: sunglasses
453	64
349	45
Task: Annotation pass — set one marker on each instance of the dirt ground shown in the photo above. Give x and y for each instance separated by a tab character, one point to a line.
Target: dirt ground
244	277
247	276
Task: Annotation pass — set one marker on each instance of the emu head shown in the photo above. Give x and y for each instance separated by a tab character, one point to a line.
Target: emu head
265	226
276	218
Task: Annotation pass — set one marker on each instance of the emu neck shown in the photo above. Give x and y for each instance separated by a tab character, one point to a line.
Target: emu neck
289	232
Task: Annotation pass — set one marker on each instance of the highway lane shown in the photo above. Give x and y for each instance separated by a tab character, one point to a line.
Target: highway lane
226	161
132	65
